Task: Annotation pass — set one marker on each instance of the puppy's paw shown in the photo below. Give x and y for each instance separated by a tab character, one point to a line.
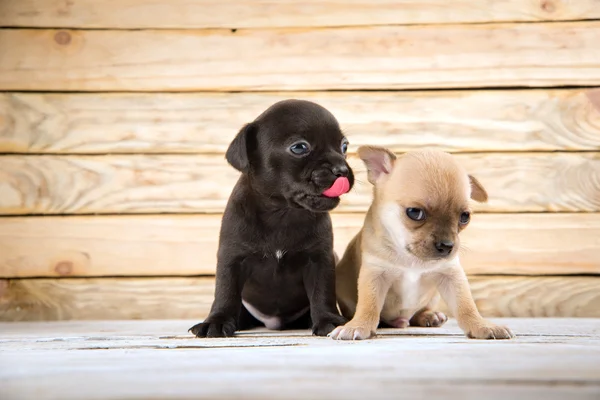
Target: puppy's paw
490	331
214	327
325	325
428	318
351	332
322	329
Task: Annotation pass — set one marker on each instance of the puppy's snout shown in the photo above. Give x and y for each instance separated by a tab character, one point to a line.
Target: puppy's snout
444	247
340	170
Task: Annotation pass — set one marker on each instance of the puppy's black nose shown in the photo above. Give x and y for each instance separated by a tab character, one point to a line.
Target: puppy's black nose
340	170
444	247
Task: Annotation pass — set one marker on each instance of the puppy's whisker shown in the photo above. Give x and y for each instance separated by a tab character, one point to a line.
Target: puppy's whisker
463	249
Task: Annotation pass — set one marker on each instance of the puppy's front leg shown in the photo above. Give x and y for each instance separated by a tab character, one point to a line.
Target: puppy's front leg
372	290
319	282
224	313
455	290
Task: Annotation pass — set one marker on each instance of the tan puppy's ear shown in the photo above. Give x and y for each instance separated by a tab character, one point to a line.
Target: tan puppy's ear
379	161
478	193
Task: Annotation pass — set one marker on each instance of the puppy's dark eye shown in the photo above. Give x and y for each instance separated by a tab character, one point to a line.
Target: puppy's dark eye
300	149
344	146
416	214
465	218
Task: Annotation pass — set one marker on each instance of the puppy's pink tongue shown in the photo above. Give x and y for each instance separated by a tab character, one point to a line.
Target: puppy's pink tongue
339	187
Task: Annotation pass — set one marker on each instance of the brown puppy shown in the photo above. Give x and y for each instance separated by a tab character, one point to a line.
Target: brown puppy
406	253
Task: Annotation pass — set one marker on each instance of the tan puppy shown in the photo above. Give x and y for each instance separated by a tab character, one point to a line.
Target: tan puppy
407	251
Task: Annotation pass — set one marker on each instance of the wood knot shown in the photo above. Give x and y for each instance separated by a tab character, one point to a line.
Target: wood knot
593	96
548	6
62	37
64	268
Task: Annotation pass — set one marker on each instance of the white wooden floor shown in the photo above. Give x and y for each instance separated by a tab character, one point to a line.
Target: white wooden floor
550	359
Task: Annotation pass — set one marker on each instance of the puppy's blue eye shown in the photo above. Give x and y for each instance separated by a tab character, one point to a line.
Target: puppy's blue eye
344	146
465	218
416	214
300	148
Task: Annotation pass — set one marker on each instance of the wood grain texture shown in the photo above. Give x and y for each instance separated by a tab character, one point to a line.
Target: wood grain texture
30	332
531	244
389	57
265	13
105	298
537	296
523	120
177	298
532	182
124	184
551	359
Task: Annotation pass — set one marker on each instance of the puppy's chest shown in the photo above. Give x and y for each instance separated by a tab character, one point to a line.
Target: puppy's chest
278	256
282	259
288	241
410	291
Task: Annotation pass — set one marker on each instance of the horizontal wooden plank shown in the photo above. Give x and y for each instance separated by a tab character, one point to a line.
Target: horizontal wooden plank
388	57
105	298
179	245
175	298
533	182
260	13
550	359
522	120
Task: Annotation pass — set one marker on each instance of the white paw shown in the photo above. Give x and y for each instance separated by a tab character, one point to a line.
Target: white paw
490	331
348	332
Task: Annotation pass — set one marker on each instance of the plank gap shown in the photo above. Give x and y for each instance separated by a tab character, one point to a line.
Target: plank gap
235	28
213	213
564	87
220	153
212	276
557	86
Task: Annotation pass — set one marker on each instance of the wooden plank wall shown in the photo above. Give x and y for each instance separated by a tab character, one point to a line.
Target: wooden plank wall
114	117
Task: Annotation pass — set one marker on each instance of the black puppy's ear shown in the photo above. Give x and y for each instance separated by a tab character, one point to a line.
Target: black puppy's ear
238	152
